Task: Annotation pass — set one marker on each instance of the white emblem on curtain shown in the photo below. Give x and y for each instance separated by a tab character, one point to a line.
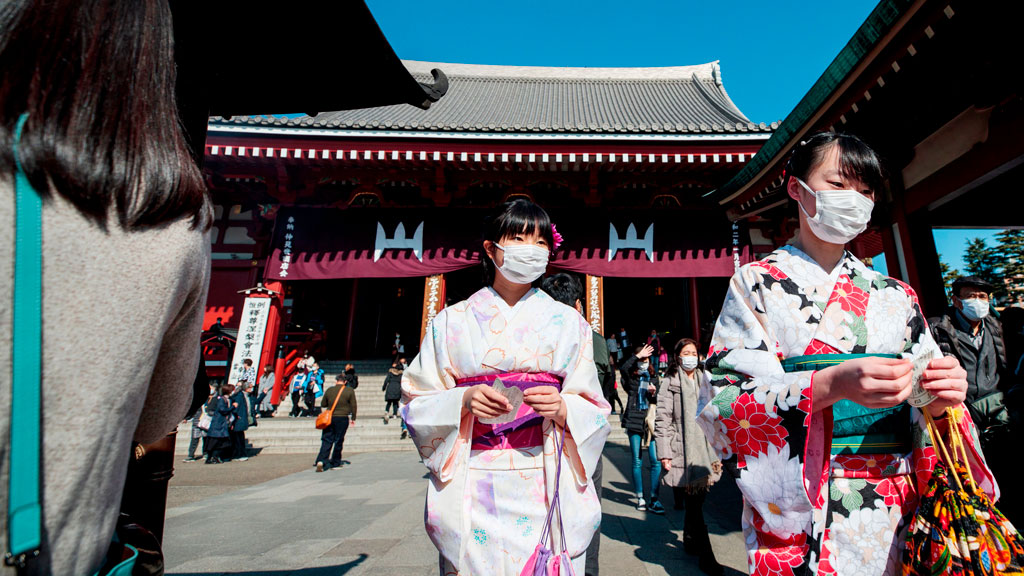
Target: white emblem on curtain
631	241
399	241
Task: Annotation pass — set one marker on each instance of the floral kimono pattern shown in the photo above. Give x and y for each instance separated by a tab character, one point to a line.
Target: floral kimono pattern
486	507
807	509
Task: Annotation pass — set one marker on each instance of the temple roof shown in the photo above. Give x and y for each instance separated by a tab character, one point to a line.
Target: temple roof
528	99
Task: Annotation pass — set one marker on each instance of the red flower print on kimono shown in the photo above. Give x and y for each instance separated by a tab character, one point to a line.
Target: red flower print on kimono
751	429
818	347
850	297
924	462
893	491
778	559
769	269
825	567
869	466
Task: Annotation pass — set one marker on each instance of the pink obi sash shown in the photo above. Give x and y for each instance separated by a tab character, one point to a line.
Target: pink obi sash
523	432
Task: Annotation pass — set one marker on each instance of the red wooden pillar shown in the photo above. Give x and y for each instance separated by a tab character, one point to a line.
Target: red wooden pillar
273	326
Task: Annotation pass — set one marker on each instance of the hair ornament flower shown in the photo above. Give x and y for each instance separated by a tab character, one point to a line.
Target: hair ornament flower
557	237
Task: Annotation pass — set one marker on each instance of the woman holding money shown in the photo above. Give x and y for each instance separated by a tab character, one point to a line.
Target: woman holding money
499	379
811	366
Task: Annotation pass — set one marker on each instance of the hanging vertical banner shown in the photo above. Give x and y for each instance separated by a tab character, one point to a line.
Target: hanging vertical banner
735	246
251	331
433	300
595	303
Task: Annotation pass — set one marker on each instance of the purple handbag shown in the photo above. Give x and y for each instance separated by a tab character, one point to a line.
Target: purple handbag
543	562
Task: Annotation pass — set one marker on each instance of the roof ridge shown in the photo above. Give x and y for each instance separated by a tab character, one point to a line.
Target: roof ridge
633	73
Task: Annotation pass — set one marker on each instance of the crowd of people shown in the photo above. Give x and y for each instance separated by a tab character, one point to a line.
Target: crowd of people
221	421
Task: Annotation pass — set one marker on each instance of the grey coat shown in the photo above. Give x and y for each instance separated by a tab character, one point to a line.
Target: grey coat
679	438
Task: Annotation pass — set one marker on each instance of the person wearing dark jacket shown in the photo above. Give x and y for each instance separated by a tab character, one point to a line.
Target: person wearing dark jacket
968	331
392	389
333	437
640	380
219	408
975	337
351	379
240	410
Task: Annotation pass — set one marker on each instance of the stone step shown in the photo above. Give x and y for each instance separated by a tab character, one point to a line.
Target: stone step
289	439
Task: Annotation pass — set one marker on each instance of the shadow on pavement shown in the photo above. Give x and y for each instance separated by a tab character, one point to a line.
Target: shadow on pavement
723	508
337	570
662	547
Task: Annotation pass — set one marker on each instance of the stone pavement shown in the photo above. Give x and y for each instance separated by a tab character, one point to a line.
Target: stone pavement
367	519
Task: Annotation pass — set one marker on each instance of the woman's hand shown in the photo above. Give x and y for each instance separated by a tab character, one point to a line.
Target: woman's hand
546	401
485	402
645	352
947	381
666	463
871	382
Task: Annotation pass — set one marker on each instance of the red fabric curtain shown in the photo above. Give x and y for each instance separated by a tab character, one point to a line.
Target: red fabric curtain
317	243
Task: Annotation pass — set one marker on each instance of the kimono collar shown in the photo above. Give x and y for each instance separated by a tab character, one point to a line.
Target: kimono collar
843	263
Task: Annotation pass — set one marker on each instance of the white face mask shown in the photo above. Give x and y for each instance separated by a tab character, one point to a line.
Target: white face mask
688	362
841	214
524	263
975	309
644	366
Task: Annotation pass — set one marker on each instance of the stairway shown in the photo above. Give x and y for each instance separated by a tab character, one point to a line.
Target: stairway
285	435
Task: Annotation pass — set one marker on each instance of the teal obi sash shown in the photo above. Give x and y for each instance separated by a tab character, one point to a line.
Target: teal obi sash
856	429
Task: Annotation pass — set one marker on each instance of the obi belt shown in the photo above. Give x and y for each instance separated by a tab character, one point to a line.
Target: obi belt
856	429
524	431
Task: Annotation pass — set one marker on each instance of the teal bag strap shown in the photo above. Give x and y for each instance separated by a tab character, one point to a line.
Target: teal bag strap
24	511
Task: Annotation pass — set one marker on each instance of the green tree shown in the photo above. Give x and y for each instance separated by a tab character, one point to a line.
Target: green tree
1011	252
948	276
984	262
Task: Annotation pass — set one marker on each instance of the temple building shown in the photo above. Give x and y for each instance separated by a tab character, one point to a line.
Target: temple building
360	225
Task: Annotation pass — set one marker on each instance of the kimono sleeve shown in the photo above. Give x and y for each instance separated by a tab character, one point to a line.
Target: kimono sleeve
432	405
586	408
761	413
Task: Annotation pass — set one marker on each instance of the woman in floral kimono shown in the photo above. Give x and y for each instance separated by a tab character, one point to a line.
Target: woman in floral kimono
497	379
811	365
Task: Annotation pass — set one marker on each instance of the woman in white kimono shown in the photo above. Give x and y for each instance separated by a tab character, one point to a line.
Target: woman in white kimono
811	365
491	447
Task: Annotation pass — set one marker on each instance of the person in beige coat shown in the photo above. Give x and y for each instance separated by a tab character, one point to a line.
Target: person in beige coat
690	464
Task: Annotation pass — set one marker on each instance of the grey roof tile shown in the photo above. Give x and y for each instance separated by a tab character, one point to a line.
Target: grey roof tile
678	99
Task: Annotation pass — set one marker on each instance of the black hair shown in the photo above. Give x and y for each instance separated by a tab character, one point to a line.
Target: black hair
97	81
247	361
564	288
519	216
857	160
674	365
636	366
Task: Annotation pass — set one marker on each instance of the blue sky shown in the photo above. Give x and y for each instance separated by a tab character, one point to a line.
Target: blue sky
771	52
951	242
